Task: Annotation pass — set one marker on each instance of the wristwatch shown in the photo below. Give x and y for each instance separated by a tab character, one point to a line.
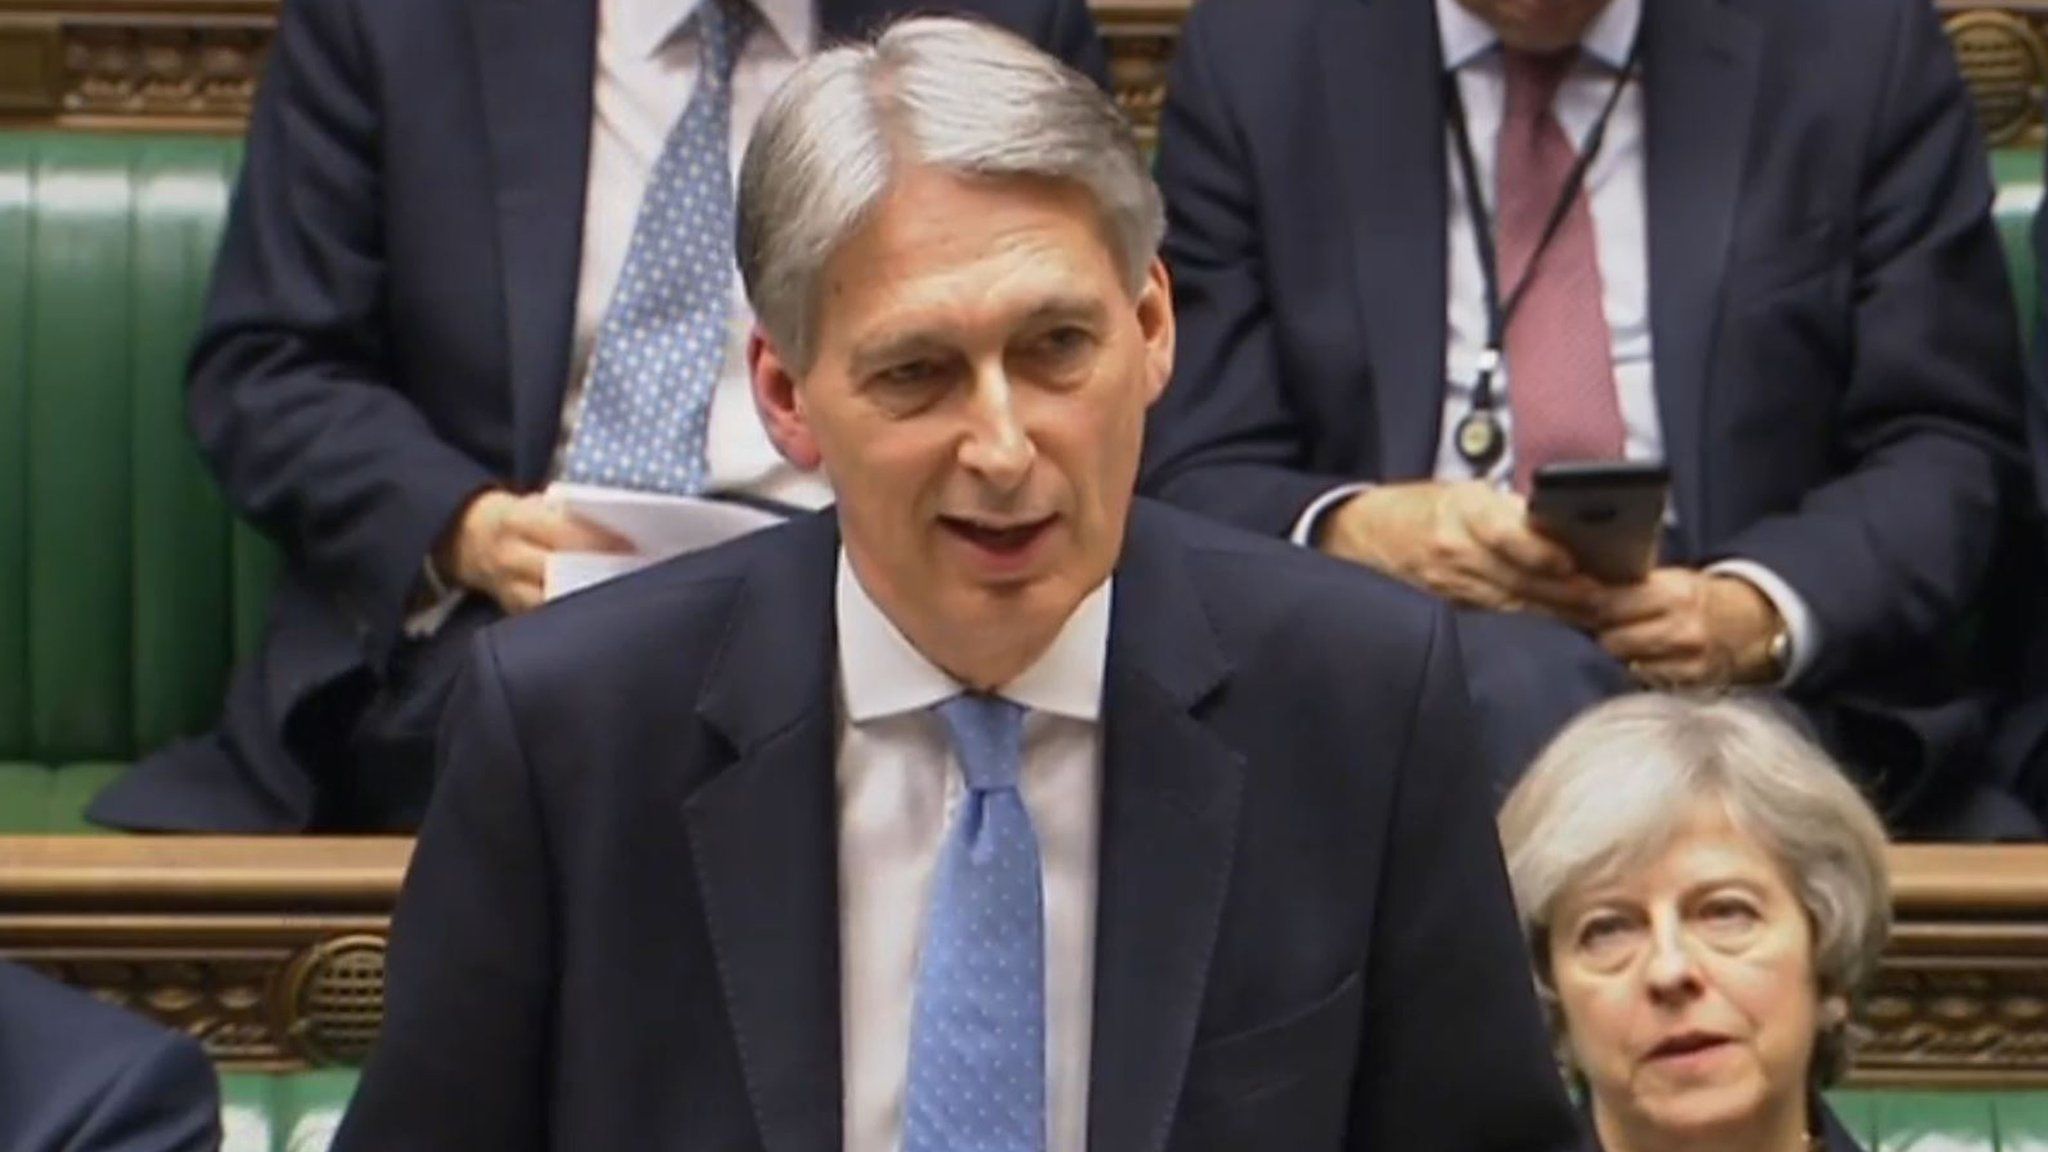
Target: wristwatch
1778	653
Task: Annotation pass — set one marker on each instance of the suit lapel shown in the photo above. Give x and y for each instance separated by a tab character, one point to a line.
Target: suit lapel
1382	80
764	837
1170	794
1700	61
535	59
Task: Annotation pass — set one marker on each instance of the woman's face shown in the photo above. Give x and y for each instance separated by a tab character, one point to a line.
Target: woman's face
1688	991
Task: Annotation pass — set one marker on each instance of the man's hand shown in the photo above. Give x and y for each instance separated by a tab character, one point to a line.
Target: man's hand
1465	542
1685	629
500	544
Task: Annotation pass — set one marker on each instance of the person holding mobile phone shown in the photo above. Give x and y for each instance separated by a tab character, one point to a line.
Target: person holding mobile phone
1424	248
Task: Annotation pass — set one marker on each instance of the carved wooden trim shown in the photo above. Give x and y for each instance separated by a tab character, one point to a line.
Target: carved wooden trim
192	65
268	951
271	951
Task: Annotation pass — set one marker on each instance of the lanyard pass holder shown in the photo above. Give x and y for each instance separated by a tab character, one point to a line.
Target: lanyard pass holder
1480	439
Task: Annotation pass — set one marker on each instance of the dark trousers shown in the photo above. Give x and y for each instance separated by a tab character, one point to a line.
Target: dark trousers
362	749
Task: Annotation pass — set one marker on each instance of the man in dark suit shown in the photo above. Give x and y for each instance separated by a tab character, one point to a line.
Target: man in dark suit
436	221
1756	244
80	1076
988	810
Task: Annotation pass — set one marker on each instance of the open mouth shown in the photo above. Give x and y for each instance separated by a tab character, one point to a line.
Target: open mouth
1001	539
1687	1044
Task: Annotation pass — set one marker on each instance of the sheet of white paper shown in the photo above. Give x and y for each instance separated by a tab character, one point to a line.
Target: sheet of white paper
660	526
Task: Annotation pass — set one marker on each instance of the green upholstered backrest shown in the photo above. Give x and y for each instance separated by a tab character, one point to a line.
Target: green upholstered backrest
298	1112
2018	173
1905	1121
125	586
291	1112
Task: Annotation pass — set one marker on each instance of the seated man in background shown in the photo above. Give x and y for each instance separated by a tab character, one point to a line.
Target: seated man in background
1662	231
473	250
1200	868
77	1075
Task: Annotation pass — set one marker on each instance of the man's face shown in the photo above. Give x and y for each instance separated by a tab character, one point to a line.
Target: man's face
1538	25
977	399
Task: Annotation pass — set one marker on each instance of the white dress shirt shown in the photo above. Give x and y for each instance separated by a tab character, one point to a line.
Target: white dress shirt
899	786
646	73
1616	192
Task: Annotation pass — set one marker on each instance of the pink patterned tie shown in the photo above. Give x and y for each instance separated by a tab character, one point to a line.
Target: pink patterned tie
1560	352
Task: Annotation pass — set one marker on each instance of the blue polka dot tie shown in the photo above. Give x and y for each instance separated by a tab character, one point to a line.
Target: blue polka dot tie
977	1039
661	345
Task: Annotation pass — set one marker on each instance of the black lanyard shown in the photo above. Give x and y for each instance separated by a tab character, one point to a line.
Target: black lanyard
1480	438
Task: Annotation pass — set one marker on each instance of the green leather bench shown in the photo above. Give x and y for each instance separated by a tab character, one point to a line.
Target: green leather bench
125	586
296	1113
299	1114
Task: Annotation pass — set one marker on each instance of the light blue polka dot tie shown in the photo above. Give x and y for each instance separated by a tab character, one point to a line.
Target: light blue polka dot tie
977	1039
661	345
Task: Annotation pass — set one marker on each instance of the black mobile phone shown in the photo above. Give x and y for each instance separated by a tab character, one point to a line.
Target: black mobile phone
1607	514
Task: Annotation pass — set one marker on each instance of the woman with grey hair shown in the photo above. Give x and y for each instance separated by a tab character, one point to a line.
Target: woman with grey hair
1704	894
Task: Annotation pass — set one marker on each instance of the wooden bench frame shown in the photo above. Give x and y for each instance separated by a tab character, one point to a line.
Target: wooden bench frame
271	951
192	65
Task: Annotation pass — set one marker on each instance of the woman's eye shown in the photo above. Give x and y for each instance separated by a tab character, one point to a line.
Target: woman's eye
1603	935
1729	914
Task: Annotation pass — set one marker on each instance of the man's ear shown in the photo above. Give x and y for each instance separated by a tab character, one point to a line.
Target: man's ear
780	403
1156	323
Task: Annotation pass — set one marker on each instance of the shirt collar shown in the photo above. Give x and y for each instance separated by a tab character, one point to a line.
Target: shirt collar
644	27
882	674
1465	37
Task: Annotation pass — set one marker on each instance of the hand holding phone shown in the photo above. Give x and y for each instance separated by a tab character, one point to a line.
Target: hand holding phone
1607	514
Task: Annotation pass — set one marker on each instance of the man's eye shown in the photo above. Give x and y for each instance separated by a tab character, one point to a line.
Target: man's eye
1064	342
910	374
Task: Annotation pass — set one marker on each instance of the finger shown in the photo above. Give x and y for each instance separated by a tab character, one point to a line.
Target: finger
1649	642
520	563
573	533
521	596
1503	529
1576	600
1621	605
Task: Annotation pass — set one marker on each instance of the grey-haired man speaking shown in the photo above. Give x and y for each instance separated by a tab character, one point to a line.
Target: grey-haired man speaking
991	810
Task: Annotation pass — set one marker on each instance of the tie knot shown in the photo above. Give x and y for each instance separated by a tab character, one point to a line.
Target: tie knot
988	738
722	27
1533	80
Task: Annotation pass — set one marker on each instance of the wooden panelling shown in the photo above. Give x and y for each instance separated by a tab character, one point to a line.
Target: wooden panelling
271	951
192	65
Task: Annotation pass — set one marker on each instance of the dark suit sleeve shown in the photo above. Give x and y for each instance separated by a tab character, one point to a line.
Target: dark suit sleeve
291	390
461	1061
1453	1055
1225	439
1893	551
1074	39
165	1100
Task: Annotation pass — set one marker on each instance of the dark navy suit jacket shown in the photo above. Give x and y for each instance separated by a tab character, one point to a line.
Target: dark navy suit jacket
388	332
80	1076
621	926
1837	366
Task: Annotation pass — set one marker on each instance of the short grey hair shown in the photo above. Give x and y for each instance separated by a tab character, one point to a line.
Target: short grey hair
1613	788
951	93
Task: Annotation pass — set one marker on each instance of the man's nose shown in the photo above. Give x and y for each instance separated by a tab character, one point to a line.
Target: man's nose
996	447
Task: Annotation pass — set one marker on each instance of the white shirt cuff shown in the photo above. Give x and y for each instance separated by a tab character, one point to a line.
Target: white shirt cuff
439	604
1304	532
1799	623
